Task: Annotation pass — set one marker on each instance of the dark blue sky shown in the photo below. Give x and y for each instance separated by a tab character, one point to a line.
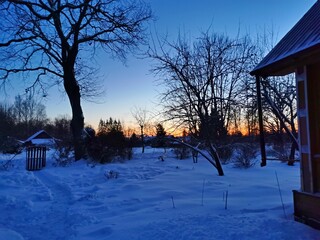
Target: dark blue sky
134	85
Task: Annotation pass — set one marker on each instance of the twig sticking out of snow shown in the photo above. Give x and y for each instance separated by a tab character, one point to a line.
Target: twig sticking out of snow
111	174
284	211
225	197
202	192
6	165
173	206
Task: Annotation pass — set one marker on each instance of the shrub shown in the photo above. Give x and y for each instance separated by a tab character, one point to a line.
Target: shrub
134	141
128	153
109	143
181	152
281	152
246	155
225	153
102	151
10	146
64	154
107	154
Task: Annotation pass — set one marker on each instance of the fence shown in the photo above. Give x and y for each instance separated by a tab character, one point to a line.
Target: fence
36	158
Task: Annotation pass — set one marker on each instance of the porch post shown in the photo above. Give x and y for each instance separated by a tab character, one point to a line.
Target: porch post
262	141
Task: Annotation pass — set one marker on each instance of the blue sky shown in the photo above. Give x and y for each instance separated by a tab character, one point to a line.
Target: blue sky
134	85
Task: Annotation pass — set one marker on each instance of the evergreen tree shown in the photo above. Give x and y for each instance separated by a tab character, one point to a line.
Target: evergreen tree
214	127
160	137
160	130
110	141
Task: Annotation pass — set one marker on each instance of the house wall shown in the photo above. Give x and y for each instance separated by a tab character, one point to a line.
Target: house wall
313	83
307	201
308	90
301	83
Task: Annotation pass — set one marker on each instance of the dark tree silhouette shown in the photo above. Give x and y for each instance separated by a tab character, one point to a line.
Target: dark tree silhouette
203	83
7	122
52	42
160	136
140	115
30	115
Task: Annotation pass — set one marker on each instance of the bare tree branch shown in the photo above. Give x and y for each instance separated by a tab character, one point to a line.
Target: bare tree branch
54	37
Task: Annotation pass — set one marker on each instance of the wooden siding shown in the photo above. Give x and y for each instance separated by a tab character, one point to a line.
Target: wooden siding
313	85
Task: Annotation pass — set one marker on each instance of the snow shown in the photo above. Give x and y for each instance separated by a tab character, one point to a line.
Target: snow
35	135
149	199
43	141
47	141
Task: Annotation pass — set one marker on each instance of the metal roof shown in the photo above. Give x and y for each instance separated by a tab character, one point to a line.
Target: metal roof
43	133
295	46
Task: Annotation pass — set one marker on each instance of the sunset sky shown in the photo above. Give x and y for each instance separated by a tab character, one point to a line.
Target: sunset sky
133	85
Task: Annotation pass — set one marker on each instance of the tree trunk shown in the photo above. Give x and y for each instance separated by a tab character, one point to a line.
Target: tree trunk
219	166
142	138
292	153
77	123
213	157
261	131
214	154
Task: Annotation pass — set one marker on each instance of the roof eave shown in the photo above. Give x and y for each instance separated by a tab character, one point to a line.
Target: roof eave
288	65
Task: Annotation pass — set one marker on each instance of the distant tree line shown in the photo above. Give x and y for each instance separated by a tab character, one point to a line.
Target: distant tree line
110	141
25	116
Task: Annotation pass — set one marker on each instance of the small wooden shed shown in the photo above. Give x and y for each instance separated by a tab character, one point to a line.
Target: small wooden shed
41	138
299	52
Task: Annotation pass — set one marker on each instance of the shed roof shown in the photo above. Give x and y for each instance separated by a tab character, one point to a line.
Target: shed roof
40	134
41	138
297	47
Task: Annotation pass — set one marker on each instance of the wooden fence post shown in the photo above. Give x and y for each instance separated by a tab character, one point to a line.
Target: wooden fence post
35	158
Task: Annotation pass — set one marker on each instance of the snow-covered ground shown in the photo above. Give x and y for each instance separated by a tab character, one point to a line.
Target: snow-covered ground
150	199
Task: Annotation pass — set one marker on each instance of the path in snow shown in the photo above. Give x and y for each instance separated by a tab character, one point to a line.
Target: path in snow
57	214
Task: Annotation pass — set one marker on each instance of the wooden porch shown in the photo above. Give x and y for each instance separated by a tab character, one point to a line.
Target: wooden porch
299	52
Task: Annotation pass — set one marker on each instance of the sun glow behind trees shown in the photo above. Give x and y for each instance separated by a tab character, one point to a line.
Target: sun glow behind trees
173	17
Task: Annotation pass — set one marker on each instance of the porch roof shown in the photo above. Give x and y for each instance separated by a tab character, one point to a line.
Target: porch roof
300	46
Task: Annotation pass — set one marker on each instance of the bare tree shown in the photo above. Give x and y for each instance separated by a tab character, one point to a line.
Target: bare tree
30	115
7	122
140	115
52	42
280	96
61	128
248	106
202	83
